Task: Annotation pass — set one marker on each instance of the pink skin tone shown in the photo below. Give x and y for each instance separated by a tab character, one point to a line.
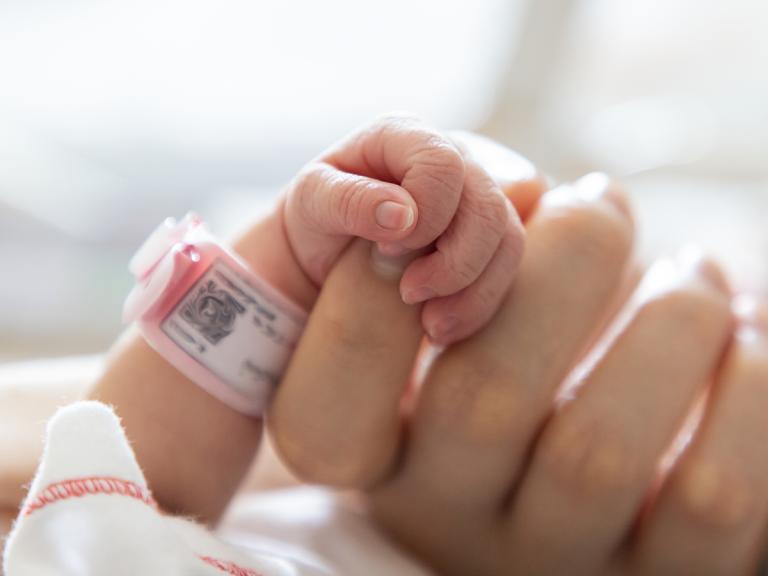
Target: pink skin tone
507	461
411	189
294	250
336	198
168	281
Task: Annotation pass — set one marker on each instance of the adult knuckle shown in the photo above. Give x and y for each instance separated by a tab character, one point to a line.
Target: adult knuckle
689	308
352	336
589	458
592	233
476	399
714	495
497	413
451	390
341	461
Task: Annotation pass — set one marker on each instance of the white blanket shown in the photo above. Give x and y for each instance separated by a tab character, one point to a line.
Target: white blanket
89	512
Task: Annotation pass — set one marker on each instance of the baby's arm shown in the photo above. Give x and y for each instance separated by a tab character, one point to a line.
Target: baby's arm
195	450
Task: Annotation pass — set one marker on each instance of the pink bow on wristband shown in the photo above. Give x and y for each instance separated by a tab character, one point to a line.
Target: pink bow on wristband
164	258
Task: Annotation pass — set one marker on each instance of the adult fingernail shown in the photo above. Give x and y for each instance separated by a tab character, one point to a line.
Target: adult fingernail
386	266
751	312
442	328
599	186
595	187
392	249
693	259
394	216
416	295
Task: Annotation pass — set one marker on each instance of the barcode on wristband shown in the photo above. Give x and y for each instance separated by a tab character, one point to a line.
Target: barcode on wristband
229	324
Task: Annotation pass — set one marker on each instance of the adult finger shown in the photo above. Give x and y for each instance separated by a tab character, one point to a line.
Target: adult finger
336	416
599	453
711	513
486	397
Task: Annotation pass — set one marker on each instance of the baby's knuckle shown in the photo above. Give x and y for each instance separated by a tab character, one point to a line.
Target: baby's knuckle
589	458
463	271
437	153
345	196
513	246
489	297
350	208
306	182
493	213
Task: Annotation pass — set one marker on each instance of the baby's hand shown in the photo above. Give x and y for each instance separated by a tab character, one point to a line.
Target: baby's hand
419	195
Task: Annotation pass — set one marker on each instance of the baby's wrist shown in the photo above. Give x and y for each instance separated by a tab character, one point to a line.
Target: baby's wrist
274	260
207	312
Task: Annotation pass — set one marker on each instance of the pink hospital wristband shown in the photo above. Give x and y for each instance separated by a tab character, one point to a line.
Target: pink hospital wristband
200	307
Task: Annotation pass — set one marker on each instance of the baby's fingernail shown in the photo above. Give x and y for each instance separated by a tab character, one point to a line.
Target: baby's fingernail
439	330
386	266
416	295
394	216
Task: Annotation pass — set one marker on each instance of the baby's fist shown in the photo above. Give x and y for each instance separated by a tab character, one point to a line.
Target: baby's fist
423	196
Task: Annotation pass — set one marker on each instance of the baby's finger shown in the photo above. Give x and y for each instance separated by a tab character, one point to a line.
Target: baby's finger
455	317
515	174
461	254
423	161
325	207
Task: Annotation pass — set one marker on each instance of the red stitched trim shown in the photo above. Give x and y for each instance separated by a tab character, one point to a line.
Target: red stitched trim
89	486
229	567
79	487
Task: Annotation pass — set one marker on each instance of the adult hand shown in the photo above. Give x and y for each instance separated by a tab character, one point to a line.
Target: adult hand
483	472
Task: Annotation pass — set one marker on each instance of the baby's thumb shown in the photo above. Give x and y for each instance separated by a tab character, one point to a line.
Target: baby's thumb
328	201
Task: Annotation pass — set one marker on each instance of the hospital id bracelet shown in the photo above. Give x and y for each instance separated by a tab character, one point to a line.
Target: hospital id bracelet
201	308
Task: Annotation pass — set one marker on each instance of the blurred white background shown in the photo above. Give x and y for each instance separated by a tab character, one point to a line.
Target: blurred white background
115	114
